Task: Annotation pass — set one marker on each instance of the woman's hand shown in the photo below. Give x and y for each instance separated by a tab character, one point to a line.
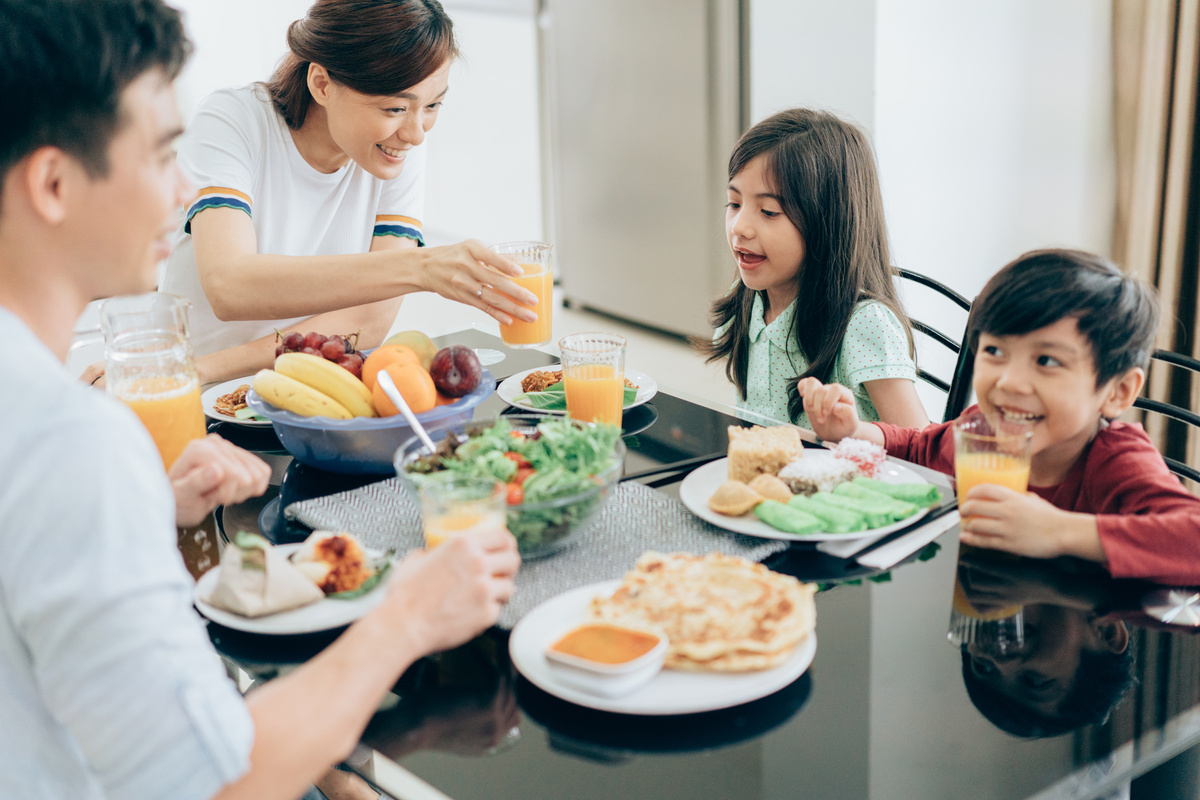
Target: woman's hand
94	374
471	273
211	472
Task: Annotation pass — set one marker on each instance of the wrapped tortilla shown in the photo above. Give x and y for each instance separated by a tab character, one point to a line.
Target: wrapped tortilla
256	579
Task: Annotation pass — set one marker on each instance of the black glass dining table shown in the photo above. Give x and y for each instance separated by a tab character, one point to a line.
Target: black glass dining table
1096	697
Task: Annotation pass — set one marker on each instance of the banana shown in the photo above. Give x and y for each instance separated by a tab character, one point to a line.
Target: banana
291	395
328	379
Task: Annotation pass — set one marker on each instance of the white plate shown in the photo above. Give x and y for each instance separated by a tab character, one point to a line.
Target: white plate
209	398
510	388
322	615
699	485
671	691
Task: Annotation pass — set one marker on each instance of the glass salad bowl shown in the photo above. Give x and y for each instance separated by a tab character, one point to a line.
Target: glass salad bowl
571	470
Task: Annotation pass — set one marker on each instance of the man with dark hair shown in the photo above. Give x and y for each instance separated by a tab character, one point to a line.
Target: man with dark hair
108	684
1061	340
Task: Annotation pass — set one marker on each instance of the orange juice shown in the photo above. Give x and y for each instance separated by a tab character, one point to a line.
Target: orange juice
594	393
972	469
538	279
439	528
963	606
170	409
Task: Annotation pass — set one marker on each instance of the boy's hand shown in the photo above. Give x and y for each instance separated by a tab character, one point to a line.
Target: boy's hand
831	408
1000	519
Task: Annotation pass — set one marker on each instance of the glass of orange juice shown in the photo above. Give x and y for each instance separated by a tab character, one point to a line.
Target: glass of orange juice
534	258
460	505
150	367
991	450
593	368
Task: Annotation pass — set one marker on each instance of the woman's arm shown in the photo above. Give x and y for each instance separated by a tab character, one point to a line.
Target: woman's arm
897	403
241	283
372	321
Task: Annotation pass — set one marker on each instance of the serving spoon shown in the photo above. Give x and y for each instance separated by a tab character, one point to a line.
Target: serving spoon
393	394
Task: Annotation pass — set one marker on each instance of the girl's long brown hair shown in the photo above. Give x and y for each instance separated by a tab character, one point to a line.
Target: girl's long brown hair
823	170
376	47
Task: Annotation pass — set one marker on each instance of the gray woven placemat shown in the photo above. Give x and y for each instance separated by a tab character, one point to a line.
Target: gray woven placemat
635	519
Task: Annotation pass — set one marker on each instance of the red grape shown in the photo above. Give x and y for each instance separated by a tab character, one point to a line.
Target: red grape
354	365
356	357
312	351
314	340
293	342
279	351
334	348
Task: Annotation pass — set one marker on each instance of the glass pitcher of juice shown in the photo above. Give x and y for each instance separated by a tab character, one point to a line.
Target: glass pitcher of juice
150	367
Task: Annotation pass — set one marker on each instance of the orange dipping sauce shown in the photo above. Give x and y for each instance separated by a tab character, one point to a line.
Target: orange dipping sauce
606	644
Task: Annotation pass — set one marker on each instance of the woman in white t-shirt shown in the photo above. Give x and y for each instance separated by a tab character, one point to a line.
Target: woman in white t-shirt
310	192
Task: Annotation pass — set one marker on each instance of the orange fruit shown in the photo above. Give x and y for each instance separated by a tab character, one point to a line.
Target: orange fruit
384	355
415	385
444	400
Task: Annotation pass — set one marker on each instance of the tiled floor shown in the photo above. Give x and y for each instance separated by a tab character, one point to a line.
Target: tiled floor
669	360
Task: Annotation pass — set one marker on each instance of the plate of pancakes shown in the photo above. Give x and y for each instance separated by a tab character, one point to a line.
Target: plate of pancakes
736	630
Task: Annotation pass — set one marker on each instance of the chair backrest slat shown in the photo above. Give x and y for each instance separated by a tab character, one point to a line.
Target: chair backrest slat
958	389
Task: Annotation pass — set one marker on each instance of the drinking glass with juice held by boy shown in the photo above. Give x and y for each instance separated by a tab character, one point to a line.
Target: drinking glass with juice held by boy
534	258
593	366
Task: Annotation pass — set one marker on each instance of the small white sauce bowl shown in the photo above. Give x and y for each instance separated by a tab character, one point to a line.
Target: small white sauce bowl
606	680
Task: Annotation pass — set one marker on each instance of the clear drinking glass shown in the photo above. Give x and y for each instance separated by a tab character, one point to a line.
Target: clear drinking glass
150	367
534	258
593	366
457	506
991	450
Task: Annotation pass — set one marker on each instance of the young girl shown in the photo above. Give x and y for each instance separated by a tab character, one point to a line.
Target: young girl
815	295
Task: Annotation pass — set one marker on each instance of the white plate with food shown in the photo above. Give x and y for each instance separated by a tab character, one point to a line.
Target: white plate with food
322	615
510	388
699	485
669	692
211	399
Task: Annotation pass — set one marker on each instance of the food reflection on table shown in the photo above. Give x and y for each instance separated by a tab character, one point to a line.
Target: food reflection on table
1075	663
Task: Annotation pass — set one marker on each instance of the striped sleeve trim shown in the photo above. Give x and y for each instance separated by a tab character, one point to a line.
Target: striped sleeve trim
217	197
396	225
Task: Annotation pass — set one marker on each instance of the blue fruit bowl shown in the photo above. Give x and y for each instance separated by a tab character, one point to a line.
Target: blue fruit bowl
363	445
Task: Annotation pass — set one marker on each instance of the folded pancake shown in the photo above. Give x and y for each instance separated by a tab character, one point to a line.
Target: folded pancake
720	613
255	580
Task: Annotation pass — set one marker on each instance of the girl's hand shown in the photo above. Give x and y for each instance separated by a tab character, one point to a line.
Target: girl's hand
473	274
998	518
831	409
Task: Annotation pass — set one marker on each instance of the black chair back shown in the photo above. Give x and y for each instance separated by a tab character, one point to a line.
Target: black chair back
1187	419
958	389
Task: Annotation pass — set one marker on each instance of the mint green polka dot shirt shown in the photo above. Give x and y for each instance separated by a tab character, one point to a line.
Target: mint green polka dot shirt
874	347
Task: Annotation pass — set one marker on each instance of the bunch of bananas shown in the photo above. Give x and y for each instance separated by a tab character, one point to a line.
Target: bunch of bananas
310	386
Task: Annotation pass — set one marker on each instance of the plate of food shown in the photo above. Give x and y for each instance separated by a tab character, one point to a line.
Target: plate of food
540	389
771	487
226	402
326	582
664	596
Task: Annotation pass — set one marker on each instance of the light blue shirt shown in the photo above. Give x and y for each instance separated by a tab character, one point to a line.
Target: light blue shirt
874	347
109	687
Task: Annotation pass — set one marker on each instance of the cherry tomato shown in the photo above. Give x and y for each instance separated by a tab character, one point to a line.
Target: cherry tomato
516	495
517	459
522	475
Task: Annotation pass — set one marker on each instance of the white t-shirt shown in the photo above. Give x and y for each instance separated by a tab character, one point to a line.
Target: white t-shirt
109	686
238	153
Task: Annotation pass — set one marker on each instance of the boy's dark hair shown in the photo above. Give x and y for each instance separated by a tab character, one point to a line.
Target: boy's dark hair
1102	680
375	47
1116	313
64	65
823	170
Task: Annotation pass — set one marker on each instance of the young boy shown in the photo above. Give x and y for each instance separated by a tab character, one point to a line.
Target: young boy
1062	339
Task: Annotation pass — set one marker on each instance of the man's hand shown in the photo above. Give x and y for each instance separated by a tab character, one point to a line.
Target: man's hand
211	472
450	594
998	518
831	408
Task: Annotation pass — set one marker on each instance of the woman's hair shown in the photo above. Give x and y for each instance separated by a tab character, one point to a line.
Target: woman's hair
1115	312
375	47
823	171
